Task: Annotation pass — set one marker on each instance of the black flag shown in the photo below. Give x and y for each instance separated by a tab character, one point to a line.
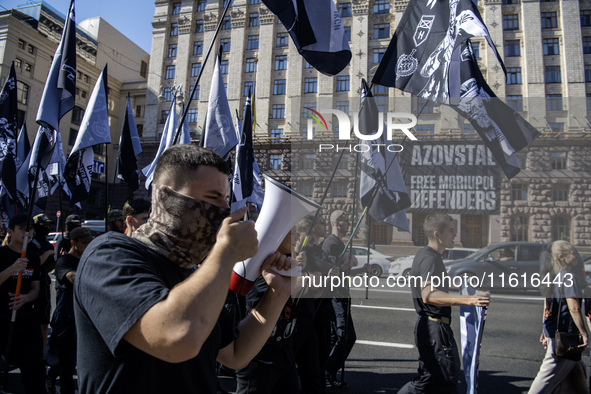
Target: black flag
430	56
317	32
8	130
243	180
129	149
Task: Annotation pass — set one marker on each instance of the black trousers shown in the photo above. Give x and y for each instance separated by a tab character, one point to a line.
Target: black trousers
266	377
439	360
341	346
307	352
26	352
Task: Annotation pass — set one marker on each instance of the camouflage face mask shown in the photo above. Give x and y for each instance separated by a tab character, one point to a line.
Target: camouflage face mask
181	228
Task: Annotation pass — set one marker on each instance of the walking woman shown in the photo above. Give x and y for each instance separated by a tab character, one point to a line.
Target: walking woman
562	312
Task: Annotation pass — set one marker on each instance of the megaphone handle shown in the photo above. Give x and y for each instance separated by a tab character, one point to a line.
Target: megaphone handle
292	272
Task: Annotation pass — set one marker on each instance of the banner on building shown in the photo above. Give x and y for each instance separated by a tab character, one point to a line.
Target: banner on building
458	177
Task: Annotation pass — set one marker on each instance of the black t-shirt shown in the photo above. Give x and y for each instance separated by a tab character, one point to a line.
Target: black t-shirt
117	281
565	286
333	246
30	274
427	264
317	260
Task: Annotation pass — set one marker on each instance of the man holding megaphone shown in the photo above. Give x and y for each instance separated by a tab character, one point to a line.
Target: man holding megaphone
148	320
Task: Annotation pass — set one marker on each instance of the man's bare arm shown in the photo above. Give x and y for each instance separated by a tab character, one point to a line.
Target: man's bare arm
436	297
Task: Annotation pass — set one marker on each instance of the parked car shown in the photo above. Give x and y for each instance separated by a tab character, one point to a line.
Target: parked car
499	263
379	262
54	237
402	265
97	227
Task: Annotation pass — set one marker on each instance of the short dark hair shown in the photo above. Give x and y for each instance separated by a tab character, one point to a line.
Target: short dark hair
135	207
178	160
436	221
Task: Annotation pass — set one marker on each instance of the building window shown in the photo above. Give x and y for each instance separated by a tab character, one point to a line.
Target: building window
348	33
560	192
587	44
22	92
254	2
587	73
227	23
253	19
252	42
551	46
519	228
476	49
144	69
176	8
279	87
248	88
511	22
77	115
343	164
168	94
169	72
343	83
425	106
343	106
519	191
276	135
549	20
225	43
510	1
512	48
199	27
514	76
308	65
515	102
378	55
522	156
164	116
278	111
21	44
556	127
307	162
196	93
554	102
192	115
28	67
380	90
72	136
339	189
468	130
381	7
282	40
426	131
306	188
281	62
201	4
224	67
559	160
585	18
344	10
174	29
172	50
195	69
274	162
83	94
561	229
198	48
381	30
251	65
310	85
138	111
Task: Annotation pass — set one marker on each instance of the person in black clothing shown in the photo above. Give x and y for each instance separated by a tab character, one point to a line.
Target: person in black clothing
62	246
439	360
46	257
26	349
147	319
343	330
63	324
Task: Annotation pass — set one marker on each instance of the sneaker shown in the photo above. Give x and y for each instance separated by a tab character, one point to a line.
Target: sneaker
333	384
50	384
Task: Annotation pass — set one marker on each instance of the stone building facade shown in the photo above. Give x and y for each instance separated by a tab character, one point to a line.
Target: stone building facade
546	47
29	36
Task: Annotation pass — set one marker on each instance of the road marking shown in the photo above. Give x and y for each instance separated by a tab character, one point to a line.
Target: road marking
388	308
385	344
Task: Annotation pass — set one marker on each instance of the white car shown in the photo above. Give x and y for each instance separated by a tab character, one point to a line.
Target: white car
379	262
401	266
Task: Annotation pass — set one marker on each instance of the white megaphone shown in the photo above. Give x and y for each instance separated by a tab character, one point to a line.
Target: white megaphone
282	209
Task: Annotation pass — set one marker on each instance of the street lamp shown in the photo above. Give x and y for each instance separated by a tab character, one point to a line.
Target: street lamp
176	91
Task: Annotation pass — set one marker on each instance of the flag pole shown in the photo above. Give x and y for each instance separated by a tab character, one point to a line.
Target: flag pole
106	185
19	280
192	92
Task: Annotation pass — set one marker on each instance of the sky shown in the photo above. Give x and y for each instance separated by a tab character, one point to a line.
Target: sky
133	18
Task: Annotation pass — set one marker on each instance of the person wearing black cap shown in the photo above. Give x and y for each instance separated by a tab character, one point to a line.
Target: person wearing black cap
26	343
116	221
46	253
62	246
